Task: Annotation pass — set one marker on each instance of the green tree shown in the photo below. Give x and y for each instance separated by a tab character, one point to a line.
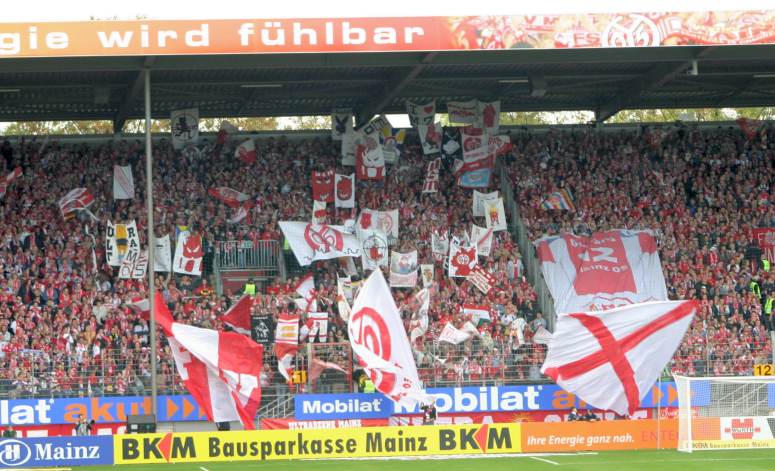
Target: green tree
305	123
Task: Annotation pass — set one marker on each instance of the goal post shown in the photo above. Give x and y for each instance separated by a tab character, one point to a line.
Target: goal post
723	413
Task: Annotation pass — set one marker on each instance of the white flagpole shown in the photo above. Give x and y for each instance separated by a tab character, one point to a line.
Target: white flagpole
151	238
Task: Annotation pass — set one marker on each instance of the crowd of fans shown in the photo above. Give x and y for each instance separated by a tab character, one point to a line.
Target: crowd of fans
702	191
66	327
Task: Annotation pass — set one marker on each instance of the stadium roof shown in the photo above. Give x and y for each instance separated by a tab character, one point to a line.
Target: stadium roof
601	80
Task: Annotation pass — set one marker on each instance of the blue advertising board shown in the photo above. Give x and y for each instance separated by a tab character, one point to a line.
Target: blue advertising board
532	397
99	409
342	406
55	451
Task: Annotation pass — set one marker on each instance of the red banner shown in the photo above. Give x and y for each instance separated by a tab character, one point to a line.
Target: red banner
293	424
765	238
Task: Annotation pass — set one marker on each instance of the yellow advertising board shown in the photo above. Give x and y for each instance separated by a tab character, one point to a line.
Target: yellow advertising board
262	445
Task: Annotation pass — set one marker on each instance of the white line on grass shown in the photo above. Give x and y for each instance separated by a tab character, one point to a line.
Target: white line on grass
545	460
203	468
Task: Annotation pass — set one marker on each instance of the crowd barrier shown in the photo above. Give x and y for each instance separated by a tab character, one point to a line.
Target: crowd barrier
351	442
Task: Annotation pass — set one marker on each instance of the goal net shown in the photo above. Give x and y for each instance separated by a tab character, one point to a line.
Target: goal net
721	413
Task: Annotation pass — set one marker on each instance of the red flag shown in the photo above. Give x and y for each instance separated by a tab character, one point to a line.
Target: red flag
323	186
230	197
238	316
246	152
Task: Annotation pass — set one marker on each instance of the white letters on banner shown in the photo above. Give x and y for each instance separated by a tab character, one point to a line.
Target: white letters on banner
482	237
379	340
375	248
462	259
121	239
606	270
134	265
341	123
482	279
311	242
188	254
421	113
495	215
162	254
479	199
123	183
345	191
465	112
403	269
184	125
611	359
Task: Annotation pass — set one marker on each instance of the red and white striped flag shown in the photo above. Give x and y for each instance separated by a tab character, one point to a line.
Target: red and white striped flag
286	343
431	184
238	316
220	369
75	200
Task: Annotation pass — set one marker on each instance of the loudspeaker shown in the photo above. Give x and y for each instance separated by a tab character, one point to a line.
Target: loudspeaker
141	424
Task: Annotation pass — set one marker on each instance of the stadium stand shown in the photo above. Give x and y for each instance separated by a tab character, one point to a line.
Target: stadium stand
67	329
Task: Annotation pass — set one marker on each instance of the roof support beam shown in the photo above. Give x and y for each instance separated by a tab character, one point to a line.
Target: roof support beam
657	76
391	90
134	92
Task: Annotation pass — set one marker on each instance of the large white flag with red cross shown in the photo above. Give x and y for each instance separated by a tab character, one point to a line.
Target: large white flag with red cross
610	359
606	270
311	242
220	369
378	339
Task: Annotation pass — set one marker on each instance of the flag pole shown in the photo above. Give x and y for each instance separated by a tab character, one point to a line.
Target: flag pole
151	235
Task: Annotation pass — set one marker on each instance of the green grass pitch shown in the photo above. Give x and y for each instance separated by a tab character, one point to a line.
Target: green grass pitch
664	460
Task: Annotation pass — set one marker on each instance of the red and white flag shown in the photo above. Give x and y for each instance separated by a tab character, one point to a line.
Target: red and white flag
75	200
476	313
319	212
440	246
369	162
4	183
462	259
286	343
482	279
306	289
383	221
123	183
479	199
317	366
431	184
455	336
421	113
230	197
220	369
238	316
345	191
403	269
609	269
243	213
374	253
482	237
419	324
611	359
246	152
343	297
311	242
379	342
474	141
489	115
188	254
323	186
430	137
316	327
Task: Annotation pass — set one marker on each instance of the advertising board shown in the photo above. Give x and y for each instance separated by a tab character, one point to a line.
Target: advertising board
538	437
55	451
264	445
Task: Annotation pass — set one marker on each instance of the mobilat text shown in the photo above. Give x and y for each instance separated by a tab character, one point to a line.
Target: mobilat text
487	399
342	406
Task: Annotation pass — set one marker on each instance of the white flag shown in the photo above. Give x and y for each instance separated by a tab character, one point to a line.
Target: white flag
427	275
495	215
462	259
310	242
453	335
344	191
341	123
465	112
162	254
188	254
611	359
123	183
319	212
403	269
384	221
184	125
421	113
134	265
343	296
374	253
479	199
121	239
378	339
482	237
